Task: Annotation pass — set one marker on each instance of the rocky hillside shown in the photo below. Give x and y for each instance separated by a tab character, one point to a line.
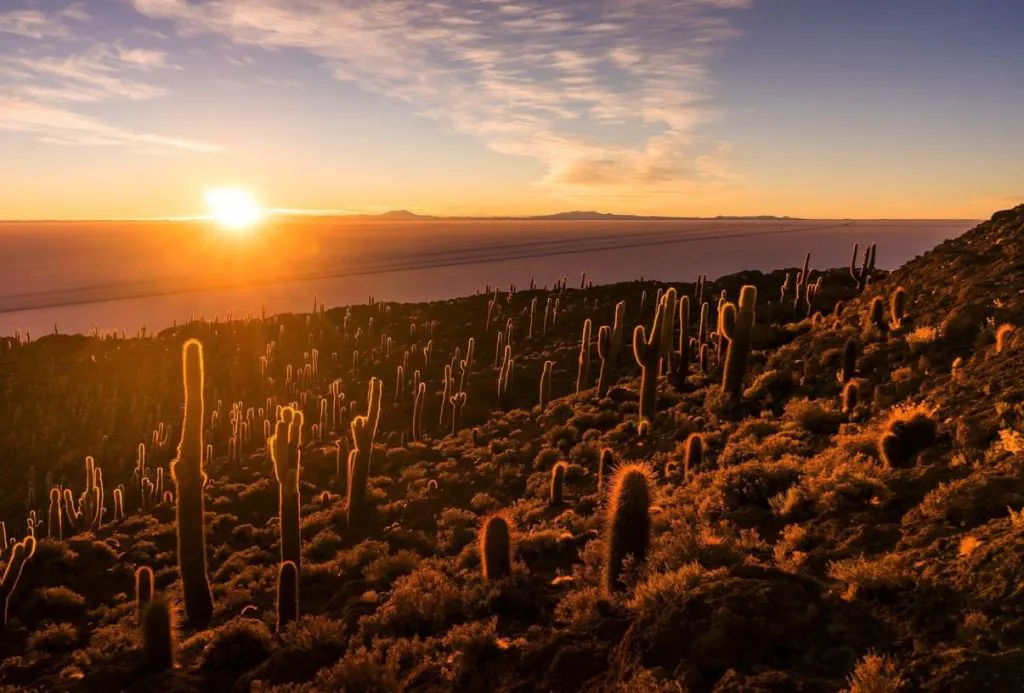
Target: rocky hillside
829	496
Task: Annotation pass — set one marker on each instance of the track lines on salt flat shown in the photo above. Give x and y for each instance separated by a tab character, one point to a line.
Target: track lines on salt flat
358	266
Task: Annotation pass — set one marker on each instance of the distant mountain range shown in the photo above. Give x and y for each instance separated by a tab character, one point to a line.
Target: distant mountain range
405	215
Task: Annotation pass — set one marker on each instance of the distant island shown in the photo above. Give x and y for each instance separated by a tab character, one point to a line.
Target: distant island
405	215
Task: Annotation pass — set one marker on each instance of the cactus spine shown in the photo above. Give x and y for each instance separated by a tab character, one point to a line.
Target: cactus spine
188	476
496	548
286	455
739	336
364	429
628	523
287	594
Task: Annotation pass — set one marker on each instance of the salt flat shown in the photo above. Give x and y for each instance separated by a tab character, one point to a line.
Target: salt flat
126	274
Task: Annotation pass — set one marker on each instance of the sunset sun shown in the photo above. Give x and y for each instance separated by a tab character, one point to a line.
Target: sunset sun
235	209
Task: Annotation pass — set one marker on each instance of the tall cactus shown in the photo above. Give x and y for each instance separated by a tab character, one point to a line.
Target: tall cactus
681	367
739	333
21	554
417	411
188	476
364	430
647	352
158	642
629	522
583	369
496	548
54	526
286	455
144	585
862	275
668	327
557	483
287	594
545	385
604	342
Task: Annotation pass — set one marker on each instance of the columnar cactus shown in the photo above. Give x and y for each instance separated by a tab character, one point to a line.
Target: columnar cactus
286	455
583	369
458	402
647	352
545	385
287	594
739	335
557	482
364	430
629	522
681	367
851	394
54	526
862	275
505	378
417	411
876	315
604	466
849	370
694	454
143	590
604	341
158	643
898	307
496	548
22	552
668	326
189	478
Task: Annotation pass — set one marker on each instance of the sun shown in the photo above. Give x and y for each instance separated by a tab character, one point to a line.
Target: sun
235	209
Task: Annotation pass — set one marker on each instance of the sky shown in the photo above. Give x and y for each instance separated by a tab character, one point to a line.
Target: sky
812	108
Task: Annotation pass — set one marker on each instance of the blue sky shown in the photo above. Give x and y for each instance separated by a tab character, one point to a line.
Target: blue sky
128	108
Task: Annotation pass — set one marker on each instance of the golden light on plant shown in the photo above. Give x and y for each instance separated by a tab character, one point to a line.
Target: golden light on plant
234	208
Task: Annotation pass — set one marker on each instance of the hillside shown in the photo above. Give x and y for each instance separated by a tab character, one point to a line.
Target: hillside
805	534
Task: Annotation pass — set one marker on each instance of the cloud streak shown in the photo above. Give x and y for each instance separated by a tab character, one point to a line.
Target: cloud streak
604	93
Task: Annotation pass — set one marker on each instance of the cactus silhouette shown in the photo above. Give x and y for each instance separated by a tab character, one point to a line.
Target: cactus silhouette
583	370
862	275
604	340
496	548
144	585
739	332
286	455
851	393
694	454
628	522
668	324
681	367
287	594
605	463
647	352
158	641
876	315
364	430
557	481
21	553
189	478
54	526
849	371
545	385
898	307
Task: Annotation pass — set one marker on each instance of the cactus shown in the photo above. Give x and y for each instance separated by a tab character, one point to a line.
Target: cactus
496	548
187	474
505	377
143	590
898	307
287	594
682	360
1003	333
583	369
907	433
629	522
615	345
604	338
364	429
21	554
876	315
54	526
739	336
702	326
545	385
557	482
417	411
862	275
604	465
849	370
158	643
458	402
668	325
850	395
647	352
694	454
286	455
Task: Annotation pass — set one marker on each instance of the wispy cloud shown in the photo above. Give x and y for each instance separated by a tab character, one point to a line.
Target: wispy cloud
556	82
42	83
